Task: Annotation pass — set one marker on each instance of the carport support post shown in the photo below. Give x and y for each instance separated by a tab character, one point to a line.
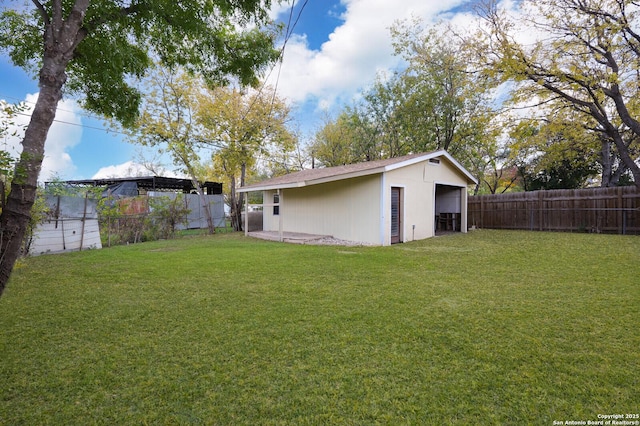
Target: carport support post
246	214
280	216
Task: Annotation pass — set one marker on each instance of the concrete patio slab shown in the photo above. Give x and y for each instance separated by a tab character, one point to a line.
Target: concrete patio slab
287	237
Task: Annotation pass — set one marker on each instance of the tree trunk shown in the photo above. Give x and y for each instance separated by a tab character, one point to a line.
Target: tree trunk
236	214
243	172
17	210
61	37
625	156
204	202
606	161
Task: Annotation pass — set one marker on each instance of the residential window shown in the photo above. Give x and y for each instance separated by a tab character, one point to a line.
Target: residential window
276	200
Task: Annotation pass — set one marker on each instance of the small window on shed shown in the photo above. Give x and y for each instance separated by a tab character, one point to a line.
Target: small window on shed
276	200
434	161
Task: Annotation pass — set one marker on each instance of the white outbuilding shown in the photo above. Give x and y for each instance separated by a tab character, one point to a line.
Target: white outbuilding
377	202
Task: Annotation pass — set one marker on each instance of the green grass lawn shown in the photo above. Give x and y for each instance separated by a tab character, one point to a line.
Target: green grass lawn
490	327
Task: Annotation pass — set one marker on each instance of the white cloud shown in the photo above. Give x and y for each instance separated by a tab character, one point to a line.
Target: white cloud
279	8
131	169
356	50
128	169
64	134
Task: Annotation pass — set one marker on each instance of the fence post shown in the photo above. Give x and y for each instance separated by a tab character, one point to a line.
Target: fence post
540	211
621	215
84	219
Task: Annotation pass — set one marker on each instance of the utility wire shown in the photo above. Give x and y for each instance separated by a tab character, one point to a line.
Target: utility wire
291	25
83	113
79	125
288	33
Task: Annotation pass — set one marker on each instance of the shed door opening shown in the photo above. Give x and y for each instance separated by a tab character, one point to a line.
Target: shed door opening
448	208
396	215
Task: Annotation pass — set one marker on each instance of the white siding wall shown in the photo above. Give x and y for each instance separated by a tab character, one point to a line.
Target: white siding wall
350	209
347	209
418	183
448	200
416	209
269	221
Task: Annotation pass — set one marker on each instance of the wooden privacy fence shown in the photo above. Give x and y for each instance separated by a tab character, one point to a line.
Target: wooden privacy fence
607	210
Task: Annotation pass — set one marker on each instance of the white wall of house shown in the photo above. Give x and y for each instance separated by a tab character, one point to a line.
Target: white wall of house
346	209
416	198
359	209
418	183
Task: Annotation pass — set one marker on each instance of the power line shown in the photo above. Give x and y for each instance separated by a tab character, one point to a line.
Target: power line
83	113
291	25
288	33
84	126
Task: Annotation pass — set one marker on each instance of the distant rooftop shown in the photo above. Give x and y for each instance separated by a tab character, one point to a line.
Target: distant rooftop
152	183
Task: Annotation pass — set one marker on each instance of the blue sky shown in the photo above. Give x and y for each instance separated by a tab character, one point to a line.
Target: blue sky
336	49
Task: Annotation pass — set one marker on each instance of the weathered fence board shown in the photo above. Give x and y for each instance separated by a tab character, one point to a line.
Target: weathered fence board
606	210
73	225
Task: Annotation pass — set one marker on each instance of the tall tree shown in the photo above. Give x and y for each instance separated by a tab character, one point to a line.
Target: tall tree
554	142
168	122
96	47
448	104
334	143
587	56
554	154
242	126
437	102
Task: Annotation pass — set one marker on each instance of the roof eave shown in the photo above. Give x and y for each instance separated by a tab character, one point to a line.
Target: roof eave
344	176
365	172
270	187
310	182
429	156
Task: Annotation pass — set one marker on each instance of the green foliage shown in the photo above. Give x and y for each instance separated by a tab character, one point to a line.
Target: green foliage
241	127
6	163
585	59
118	40
57	186
487	328
39	213
122	224
437	102
564	174
7	115
337	142
167	120
165	214
555	154
108	216
97	50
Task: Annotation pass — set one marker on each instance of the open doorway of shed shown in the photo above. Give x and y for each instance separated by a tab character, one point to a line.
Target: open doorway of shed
448	209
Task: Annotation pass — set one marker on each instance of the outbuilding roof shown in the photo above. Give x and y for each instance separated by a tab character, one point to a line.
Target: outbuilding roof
330	174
